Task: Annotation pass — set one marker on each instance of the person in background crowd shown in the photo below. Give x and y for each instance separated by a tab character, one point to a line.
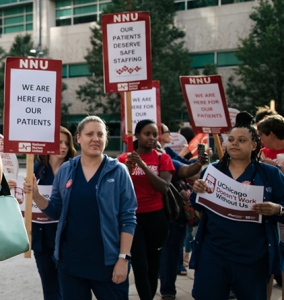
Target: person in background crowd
170	259
271	132
239	254
166	139
43	234
189	134
151	176
262	112
94	200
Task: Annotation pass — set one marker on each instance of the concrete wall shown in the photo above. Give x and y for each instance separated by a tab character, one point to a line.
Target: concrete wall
207	29
216	27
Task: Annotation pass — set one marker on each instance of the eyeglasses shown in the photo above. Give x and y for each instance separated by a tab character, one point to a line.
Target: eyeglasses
167	132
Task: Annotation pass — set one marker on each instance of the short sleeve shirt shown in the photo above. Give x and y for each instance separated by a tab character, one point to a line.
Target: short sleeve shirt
149	199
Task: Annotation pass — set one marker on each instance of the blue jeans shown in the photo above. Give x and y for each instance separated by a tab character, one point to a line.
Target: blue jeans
170	257
188	239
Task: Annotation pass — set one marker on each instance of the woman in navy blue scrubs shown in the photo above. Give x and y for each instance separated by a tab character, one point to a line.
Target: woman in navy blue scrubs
237	254
43	234
94	199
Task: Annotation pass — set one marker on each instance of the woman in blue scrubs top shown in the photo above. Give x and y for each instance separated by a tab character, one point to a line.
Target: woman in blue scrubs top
238	254
94	199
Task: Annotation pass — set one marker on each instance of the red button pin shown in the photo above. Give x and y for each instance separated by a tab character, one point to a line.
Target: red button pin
69	183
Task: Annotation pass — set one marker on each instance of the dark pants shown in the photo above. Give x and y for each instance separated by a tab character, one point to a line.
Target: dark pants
171	257
150	235
214	276
75	288
48	274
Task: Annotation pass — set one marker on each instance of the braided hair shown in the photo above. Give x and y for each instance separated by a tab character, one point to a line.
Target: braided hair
243	120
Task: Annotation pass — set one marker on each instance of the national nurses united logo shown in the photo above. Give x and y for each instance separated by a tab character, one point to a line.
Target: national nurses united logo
210	182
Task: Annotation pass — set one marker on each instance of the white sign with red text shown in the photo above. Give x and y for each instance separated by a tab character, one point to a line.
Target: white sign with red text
127	51
9	161
37	215
32	105
178	142
145	105
206	103
228	198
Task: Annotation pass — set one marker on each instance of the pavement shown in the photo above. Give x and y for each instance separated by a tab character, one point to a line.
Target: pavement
19	280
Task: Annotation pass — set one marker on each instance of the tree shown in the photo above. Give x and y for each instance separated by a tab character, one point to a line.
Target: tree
21	47
170	59
260	76
2	68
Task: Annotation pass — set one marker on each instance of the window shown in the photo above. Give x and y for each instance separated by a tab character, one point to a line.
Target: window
64	71
227	59
3	2
201	3
199	60
70	12
190	4
221	59
75	70
233	1
180	5
16	18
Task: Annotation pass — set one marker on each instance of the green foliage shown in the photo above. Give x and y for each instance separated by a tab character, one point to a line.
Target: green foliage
170	59
2	68
260	77
21	46
209	70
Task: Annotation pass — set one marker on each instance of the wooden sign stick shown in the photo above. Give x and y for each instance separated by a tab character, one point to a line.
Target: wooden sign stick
272	105
29	199
129	122
218	145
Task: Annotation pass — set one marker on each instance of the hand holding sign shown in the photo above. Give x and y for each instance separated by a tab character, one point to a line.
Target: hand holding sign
266	208
229	198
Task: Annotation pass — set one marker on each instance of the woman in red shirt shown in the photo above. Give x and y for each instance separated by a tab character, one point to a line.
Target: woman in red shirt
271	132
151	176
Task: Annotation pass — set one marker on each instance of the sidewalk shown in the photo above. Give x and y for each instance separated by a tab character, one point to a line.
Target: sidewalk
19	280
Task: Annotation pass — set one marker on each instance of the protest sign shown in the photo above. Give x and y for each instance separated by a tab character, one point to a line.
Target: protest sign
228	198
32	113
126	51
200	138
9	161
145	104
233	113
32	105
37	215
206	103
178	141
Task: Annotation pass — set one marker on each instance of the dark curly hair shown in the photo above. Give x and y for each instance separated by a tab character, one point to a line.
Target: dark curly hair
243	120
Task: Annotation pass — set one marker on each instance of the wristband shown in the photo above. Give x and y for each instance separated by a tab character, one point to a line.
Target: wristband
125	256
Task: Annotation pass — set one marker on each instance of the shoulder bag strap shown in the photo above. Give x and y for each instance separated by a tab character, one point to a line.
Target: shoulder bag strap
5	190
